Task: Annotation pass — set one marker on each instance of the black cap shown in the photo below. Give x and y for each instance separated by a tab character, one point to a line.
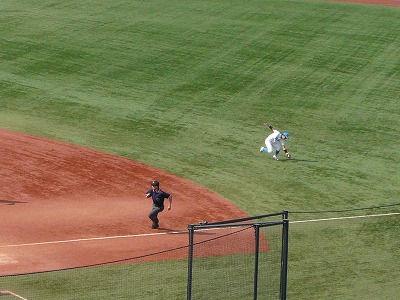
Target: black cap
155	183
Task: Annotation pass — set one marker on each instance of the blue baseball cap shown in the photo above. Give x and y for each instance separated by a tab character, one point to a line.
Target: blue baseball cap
286	134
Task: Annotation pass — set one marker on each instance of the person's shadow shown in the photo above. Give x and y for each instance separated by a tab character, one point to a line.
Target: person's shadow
295	160
172	231
11	202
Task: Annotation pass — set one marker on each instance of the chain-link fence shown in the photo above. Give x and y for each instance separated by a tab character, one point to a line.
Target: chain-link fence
238	259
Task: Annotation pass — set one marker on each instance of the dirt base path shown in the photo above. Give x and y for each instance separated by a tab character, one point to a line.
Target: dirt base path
64	206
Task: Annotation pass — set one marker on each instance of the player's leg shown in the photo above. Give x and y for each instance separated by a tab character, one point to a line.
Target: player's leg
277	147
153	215
268	146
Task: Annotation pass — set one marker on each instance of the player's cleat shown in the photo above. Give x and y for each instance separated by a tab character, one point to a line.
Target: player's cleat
274	156
155	225
261	149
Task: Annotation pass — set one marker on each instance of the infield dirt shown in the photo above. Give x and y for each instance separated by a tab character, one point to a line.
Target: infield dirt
65	206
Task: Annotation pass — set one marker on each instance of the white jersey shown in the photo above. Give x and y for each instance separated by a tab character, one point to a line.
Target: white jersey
274	141
276	136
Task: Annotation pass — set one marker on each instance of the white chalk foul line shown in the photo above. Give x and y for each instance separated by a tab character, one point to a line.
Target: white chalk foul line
344	218
178	232
12	294
94	239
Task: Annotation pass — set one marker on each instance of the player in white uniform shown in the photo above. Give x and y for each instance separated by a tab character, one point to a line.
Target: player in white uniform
275	140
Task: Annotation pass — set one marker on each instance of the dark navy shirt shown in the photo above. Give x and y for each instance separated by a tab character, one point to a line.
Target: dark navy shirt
158	197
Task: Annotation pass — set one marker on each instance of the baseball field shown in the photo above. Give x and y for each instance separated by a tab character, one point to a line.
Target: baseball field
98	98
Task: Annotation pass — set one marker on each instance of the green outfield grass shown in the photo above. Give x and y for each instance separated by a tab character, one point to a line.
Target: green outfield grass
186	86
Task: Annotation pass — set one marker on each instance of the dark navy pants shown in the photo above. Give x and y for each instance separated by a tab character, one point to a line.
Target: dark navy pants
153	214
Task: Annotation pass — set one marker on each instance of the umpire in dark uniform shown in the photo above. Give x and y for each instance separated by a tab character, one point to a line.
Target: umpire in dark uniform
158	197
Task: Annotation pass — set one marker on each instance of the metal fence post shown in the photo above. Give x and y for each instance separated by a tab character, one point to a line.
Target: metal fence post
190	262
284	258
256	257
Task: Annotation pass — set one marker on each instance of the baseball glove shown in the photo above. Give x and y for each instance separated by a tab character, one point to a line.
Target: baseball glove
288	155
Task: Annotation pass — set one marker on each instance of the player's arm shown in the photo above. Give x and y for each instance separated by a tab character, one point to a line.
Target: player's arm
170	202
148	195
270	126
286	151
